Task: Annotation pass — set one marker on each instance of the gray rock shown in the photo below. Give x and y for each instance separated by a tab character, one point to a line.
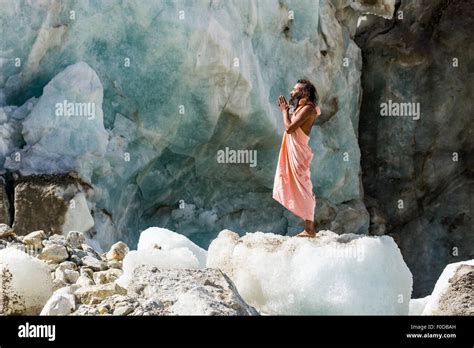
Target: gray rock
459	296
75	239
55	239
5	216
84	281
90	251
351	217
67	275
6	231
415	160
95	293
50	195
123	310
62	302
76	259
35	239
194	291
59	284
117	251
93	263
79	253
107	276
114	264
54	253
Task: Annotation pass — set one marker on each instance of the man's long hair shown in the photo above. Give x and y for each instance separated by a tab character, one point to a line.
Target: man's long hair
309	90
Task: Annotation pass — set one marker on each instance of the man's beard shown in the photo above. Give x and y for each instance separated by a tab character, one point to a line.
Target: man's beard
295	99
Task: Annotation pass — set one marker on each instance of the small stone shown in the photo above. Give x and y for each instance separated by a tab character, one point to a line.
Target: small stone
35	239
55	239
58	284
76	259
6	231
67	275
86	271
93	293
103	310
93	263
79	253
123	310
62	302
84	281
68	265
54	253
153	304
115	264
90	250
75	239
117	251
108	276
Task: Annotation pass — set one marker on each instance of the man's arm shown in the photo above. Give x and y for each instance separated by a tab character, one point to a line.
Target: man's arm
300	117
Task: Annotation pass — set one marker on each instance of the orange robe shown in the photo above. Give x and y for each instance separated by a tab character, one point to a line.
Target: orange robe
292	187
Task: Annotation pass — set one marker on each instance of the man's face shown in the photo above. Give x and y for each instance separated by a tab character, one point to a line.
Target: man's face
295	89
296	94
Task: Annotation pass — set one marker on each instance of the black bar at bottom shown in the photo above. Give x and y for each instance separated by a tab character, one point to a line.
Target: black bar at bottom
136	331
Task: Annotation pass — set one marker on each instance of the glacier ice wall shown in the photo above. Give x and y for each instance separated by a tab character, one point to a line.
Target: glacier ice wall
173	83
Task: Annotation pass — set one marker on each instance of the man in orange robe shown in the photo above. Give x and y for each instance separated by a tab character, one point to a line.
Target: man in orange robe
292	186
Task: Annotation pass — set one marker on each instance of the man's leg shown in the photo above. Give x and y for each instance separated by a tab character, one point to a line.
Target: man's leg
309	229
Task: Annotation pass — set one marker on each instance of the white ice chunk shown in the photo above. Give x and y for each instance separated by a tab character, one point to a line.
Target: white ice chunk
417	305
168	240
331	274
78	216
25	283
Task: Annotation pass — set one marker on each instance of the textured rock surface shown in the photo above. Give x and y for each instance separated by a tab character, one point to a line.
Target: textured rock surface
86	283
4	203
190	292
453	293
53	203
169	92
25	283
424	57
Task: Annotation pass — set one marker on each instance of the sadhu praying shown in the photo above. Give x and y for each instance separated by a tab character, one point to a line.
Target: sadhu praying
292	186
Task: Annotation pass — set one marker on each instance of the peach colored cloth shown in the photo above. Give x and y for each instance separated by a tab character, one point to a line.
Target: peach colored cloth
292	187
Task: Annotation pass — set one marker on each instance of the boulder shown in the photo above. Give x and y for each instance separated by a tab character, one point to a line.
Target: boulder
117	251
95	293
25	283
58	201
189	291
55	253
35	239
62	302
453	293
75	239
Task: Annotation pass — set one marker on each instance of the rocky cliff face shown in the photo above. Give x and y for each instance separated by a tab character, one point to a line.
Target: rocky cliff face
418	169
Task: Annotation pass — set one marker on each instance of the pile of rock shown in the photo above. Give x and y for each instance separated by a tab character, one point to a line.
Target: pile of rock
79	273
81	281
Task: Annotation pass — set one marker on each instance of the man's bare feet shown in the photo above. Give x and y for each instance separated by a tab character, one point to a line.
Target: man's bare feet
309	230
306	234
